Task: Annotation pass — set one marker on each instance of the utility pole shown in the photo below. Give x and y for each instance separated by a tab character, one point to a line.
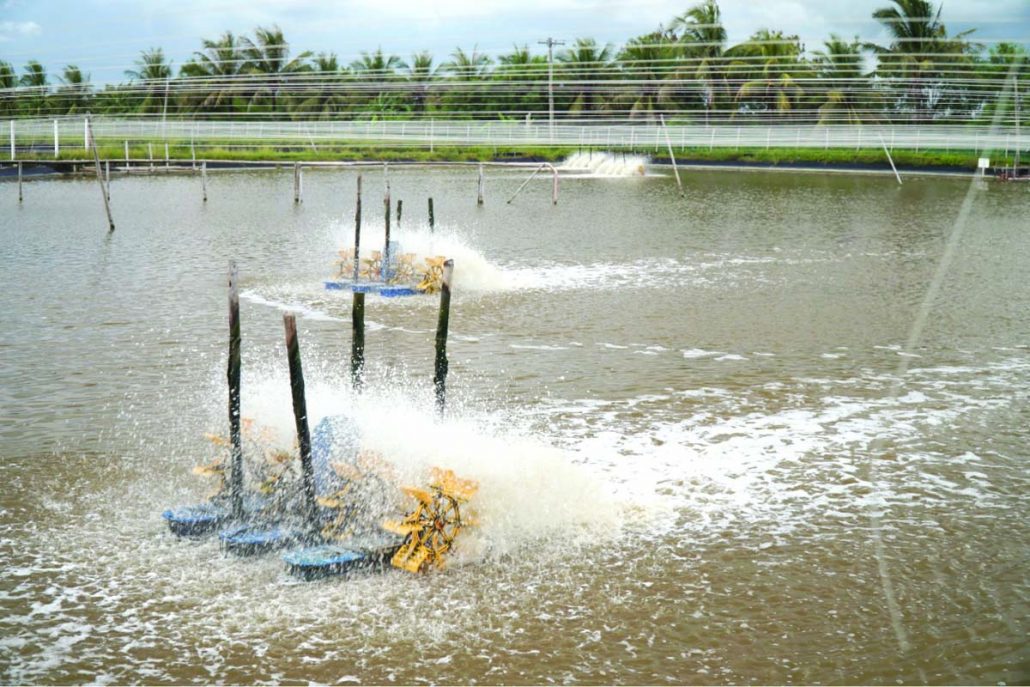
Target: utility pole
550	43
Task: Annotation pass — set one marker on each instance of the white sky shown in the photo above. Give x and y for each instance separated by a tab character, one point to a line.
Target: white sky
105	36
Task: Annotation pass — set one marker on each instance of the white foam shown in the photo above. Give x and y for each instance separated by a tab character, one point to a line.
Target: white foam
605	165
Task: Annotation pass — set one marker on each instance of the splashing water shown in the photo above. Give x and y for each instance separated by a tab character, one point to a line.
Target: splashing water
605	165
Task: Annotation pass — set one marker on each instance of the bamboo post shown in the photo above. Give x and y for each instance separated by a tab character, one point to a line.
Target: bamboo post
300	415
57	141
890	159
296	182
479	200
150	150
357	343
107	178
203	179
233	375
399	204
675	169
432	218
85	134
440	371
100	179
519	189
126	153
193	152
554	185
167	161
357	234
12	139
386	242
20	197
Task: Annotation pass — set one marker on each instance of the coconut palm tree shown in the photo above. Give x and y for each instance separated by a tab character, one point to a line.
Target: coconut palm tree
8	82
523	77
420	74
74	94
212	84
839	68
466	70
34	80
920	53
704	40
155	73
322	93
268	55
646	61
584	66
770	67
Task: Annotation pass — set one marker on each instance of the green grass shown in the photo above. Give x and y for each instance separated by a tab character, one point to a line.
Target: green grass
255	151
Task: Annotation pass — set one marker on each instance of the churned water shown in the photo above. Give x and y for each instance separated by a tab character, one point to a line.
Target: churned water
705	453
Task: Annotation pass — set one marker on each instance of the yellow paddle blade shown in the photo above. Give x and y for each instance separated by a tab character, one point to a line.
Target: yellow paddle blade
329	502
420	494
216	439
452	485
346	471
411	557
210	470
398	527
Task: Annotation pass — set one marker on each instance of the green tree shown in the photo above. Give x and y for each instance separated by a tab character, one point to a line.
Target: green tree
844	86
769	69
584	67
8	82
36	86
74	95
645	61
154	73
268	57
211	75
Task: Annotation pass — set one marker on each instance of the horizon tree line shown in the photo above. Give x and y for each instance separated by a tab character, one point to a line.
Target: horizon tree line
686	71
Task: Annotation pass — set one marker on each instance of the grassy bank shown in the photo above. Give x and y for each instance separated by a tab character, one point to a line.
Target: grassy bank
832	157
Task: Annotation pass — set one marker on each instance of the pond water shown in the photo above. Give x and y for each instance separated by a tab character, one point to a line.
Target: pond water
707	451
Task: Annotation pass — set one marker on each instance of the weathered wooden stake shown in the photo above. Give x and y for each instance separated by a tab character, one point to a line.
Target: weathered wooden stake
57	141
126	153
386	242
167	161
357	234
675	169
300	415
233	374
479	199
357	343
296	182
100	179
399	204
432	219
440	372
203	178
107	178
20	196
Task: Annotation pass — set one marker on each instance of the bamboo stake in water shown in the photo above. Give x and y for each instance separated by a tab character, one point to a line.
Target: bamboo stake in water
890	159
432	218
357	234
233	374
126	153
300	416
203	178
519	189
479	199
100	179
107	178
386	243
357	344
20	196
150	151
440	369
672	157
296	182
399	204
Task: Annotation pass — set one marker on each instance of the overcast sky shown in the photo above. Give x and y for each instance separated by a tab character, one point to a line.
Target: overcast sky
104	36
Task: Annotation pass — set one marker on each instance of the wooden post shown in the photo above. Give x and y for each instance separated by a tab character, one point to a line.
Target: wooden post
167	162
126	153
479	200
296	182
386	242
300	415
193	152
57	141
432	219
107	178
357	234
203	178
890	159
19	183
100	179
12	139
357	343
399	204
668	141
440	371
233	375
